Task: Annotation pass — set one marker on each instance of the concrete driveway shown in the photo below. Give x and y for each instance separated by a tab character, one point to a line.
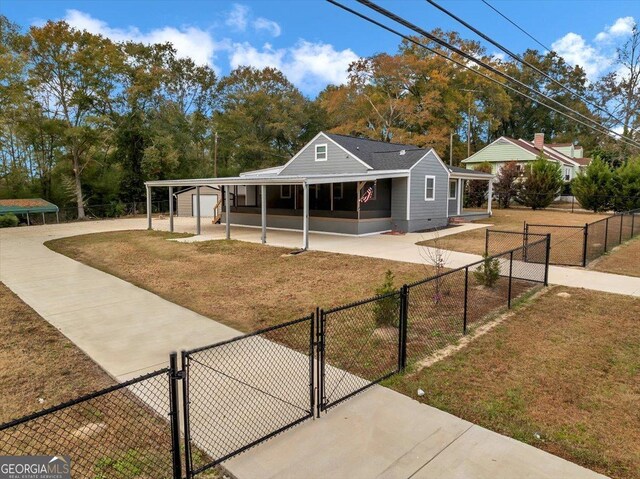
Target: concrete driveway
380	433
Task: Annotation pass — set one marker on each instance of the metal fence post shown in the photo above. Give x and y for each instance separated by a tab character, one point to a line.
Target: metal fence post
185	415
312	345
546	261
606	233
402	331
585	244
621	223
174	377
510	278
320	361
466	291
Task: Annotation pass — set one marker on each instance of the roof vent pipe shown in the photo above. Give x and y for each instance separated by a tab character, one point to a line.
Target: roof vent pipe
402	152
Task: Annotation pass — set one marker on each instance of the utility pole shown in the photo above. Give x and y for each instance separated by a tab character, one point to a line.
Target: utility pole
215	154
451	149
469	118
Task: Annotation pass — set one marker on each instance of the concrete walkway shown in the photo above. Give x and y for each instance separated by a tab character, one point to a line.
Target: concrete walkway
125	329
384	434
379	433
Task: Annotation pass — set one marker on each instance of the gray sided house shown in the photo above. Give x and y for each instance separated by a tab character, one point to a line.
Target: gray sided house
348	185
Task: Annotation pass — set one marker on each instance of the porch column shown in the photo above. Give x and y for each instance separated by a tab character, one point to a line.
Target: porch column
227	212
43	220
460	192
305	216
263	210
148	207
171	209
197	210
490	197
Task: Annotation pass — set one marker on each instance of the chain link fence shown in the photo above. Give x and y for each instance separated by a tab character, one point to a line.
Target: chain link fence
570	245
120	432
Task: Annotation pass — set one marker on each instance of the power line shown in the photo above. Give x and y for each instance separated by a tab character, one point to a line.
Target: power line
517	57
481	63
516	25
435	52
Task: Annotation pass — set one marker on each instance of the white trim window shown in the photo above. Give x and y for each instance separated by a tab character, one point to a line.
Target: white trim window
321	152
567	173
285	192
429	188
453	189
338	191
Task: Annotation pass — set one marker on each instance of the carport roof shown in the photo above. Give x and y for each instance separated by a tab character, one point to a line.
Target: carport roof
276	179
26	205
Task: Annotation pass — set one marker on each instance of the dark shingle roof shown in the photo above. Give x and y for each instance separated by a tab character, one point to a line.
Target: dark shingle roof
457	169
380	155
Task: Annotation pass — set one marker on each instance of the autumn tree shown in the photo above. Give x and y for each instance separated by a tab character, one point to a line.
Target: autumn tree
504	187
72	76
262	119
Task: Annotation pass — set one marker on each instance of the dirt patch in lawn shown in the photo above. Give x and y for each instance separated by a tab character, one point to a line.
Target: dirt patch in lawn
113	435
563	375
624	259
511	219
244	285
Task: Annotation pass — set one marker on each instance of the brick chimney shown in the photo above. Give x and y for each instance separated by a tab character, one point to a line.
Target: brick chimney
538	141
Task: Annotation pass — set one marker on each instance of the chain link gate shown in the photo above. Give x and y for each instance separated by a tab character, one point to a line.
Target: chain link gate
241	392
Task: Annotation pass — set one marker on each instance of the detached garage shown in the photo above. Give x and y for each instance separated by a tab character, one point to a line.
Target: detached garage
186	204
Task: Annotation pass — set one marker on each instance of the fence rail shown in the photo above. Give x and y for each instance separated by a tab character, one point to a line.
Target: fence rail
238	393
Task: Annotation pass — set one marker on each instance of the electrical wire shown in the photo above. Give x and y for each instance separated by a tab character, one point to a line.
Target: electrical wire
516	25
481	63
518	58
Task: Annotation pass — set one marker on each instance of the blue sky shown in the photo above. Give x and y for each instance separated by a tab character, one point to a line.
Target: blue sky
313	41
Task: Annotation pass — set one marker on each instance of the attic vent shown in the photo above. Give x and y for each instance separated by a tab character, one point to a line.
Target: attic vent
402	152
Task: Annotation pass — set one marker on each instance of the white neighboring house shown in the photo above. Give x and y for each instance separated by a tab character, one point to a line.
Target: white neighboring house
506	149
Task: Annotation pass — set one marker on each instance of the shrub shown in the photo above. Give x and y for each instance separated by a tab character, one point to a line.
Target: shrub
505	186
476	193
592	186
116	209
625	186
541	184
488	272
386	310
8	221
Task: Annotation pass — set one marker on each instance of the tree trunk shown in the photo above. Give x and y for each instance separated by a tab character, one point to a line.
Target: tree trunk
78	188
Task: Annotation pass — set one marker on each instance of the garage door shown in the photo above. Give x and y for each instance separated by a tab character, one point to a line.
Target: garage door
207	203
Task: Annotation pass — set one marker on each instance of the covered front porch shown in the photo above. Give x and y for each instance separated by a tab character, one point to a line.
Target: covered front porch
344	204
458	182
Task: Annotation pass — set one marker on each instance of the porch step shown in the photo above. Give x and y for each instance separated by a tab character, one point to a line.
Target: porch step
456	220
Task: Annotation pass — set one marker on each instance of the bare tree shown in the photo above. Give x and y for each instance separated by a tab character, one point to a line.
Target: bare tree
438	257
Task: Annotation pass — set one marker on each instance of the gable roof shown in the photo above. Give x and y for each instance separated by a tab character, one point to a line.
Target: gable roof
380	155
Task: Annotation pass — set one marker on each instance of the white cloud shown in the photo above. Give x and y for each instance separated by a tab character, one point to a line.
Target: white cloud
310	66
576	51
622	27
238	17
267	25
188	41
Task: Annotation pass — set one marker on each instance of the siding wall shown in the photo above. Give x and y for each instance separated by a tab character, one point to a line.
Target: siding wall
399	199
428	214
338	161
183	200
501	151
